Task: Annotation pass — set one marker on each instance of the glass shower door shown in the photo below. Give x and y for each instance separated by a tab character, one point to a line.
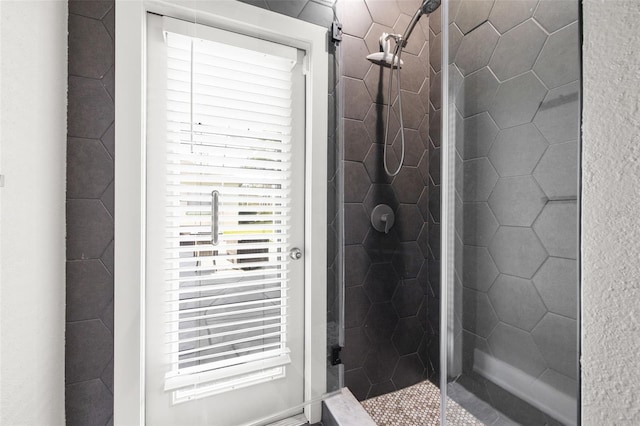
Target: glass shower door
511	144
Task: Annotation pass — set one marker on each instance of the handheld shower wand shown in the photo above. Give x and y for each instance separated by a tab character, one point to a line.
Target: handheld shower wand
394	61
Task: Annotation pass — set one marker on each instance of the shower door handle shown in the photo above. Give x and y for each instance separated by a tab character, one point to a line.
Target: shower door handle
215	198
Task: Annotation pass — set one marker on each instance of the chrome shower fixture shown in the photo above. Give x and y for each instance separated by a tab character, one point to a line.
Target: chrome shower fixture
393	60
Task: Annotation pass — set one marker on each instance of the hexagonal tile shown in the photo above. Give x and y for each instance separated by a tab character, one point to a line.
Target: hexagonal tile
358	303
558	118
478	316
89	348
412	110
556	381
356	223
475	180
517	100
423	203
381	322
423	240
383	11
476	49
376	124
517	201
358	182
434	243
408	298
455	39
409	371
478	269
408	259
477	135
108	198
358	260
517	50
414	72
554	15
373	162
408	222
434	165
557	172
108	140
377	83
559	61
381	282
556	336
423	167
380	194
478	224
557	227
356	98
507	14
89	289
472	13
380	246
516	302
89	168
477	92
356	348
355	63
434	131
435	52
359	20
356	140
517	150
91	49
517	348
381	361
408	185
90	9
557	283
89	229
407	335
89	402
517	251
358	383
90	109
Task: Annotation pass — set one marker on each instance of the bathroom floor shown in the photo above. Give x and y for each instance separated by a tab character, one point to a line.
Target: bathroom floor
417	405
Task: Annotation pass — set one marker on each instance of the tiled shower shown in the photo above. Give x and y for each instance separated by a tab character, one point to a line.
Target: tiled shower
391	322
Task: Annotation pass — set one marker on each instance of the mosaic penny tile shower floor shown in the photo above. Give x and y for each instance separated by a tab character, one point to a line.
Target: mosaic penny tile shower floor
417	405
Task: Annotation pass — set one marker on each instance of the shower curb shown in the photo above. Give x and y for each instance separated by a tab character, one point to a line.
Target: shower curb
345	410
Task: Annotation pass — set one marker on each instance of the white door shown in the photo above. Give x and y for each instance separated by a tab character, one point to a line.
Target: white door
224	281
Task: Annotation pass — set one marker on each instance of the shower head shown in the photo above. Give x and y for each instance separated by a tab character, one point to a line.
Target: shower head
384	58
429	6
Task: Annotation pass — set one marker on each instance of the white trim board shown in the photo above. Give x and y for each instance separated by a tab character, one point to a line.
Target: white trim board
130	116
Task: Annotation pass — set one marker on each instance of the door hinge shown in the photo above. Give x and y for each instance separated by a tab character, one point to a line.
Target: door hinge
336	32
335	355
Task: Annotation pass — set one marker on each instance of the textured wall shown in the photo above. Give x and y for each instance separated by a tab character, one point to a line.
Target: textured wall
33	76
389	334
90	155
610	233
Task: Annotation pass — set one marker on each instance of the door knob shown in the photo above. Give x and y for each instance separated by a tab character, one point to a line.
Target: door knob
295	253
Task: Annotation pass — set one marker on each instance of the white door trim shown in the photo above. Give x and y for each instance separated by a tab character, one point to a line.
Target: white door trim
130	114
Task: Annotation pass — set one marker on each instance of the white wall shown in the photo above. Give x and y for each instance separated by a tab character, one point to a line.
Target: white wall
611	213
33	87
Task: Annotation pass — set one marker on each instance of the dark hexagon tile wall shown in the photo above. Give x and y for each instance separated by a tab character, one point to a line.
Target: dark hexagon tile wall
90	174
394	291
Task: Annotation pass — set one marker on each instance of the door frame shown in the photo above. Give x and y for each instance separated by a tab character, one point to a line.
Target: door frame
130	142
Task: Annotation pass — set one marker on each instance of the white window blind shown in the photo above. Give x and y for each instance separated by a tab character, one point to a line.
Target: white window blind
228	151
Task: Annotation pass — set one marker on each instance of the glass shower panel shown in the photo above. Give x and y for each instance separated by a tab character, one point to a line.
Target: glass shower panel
511	164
